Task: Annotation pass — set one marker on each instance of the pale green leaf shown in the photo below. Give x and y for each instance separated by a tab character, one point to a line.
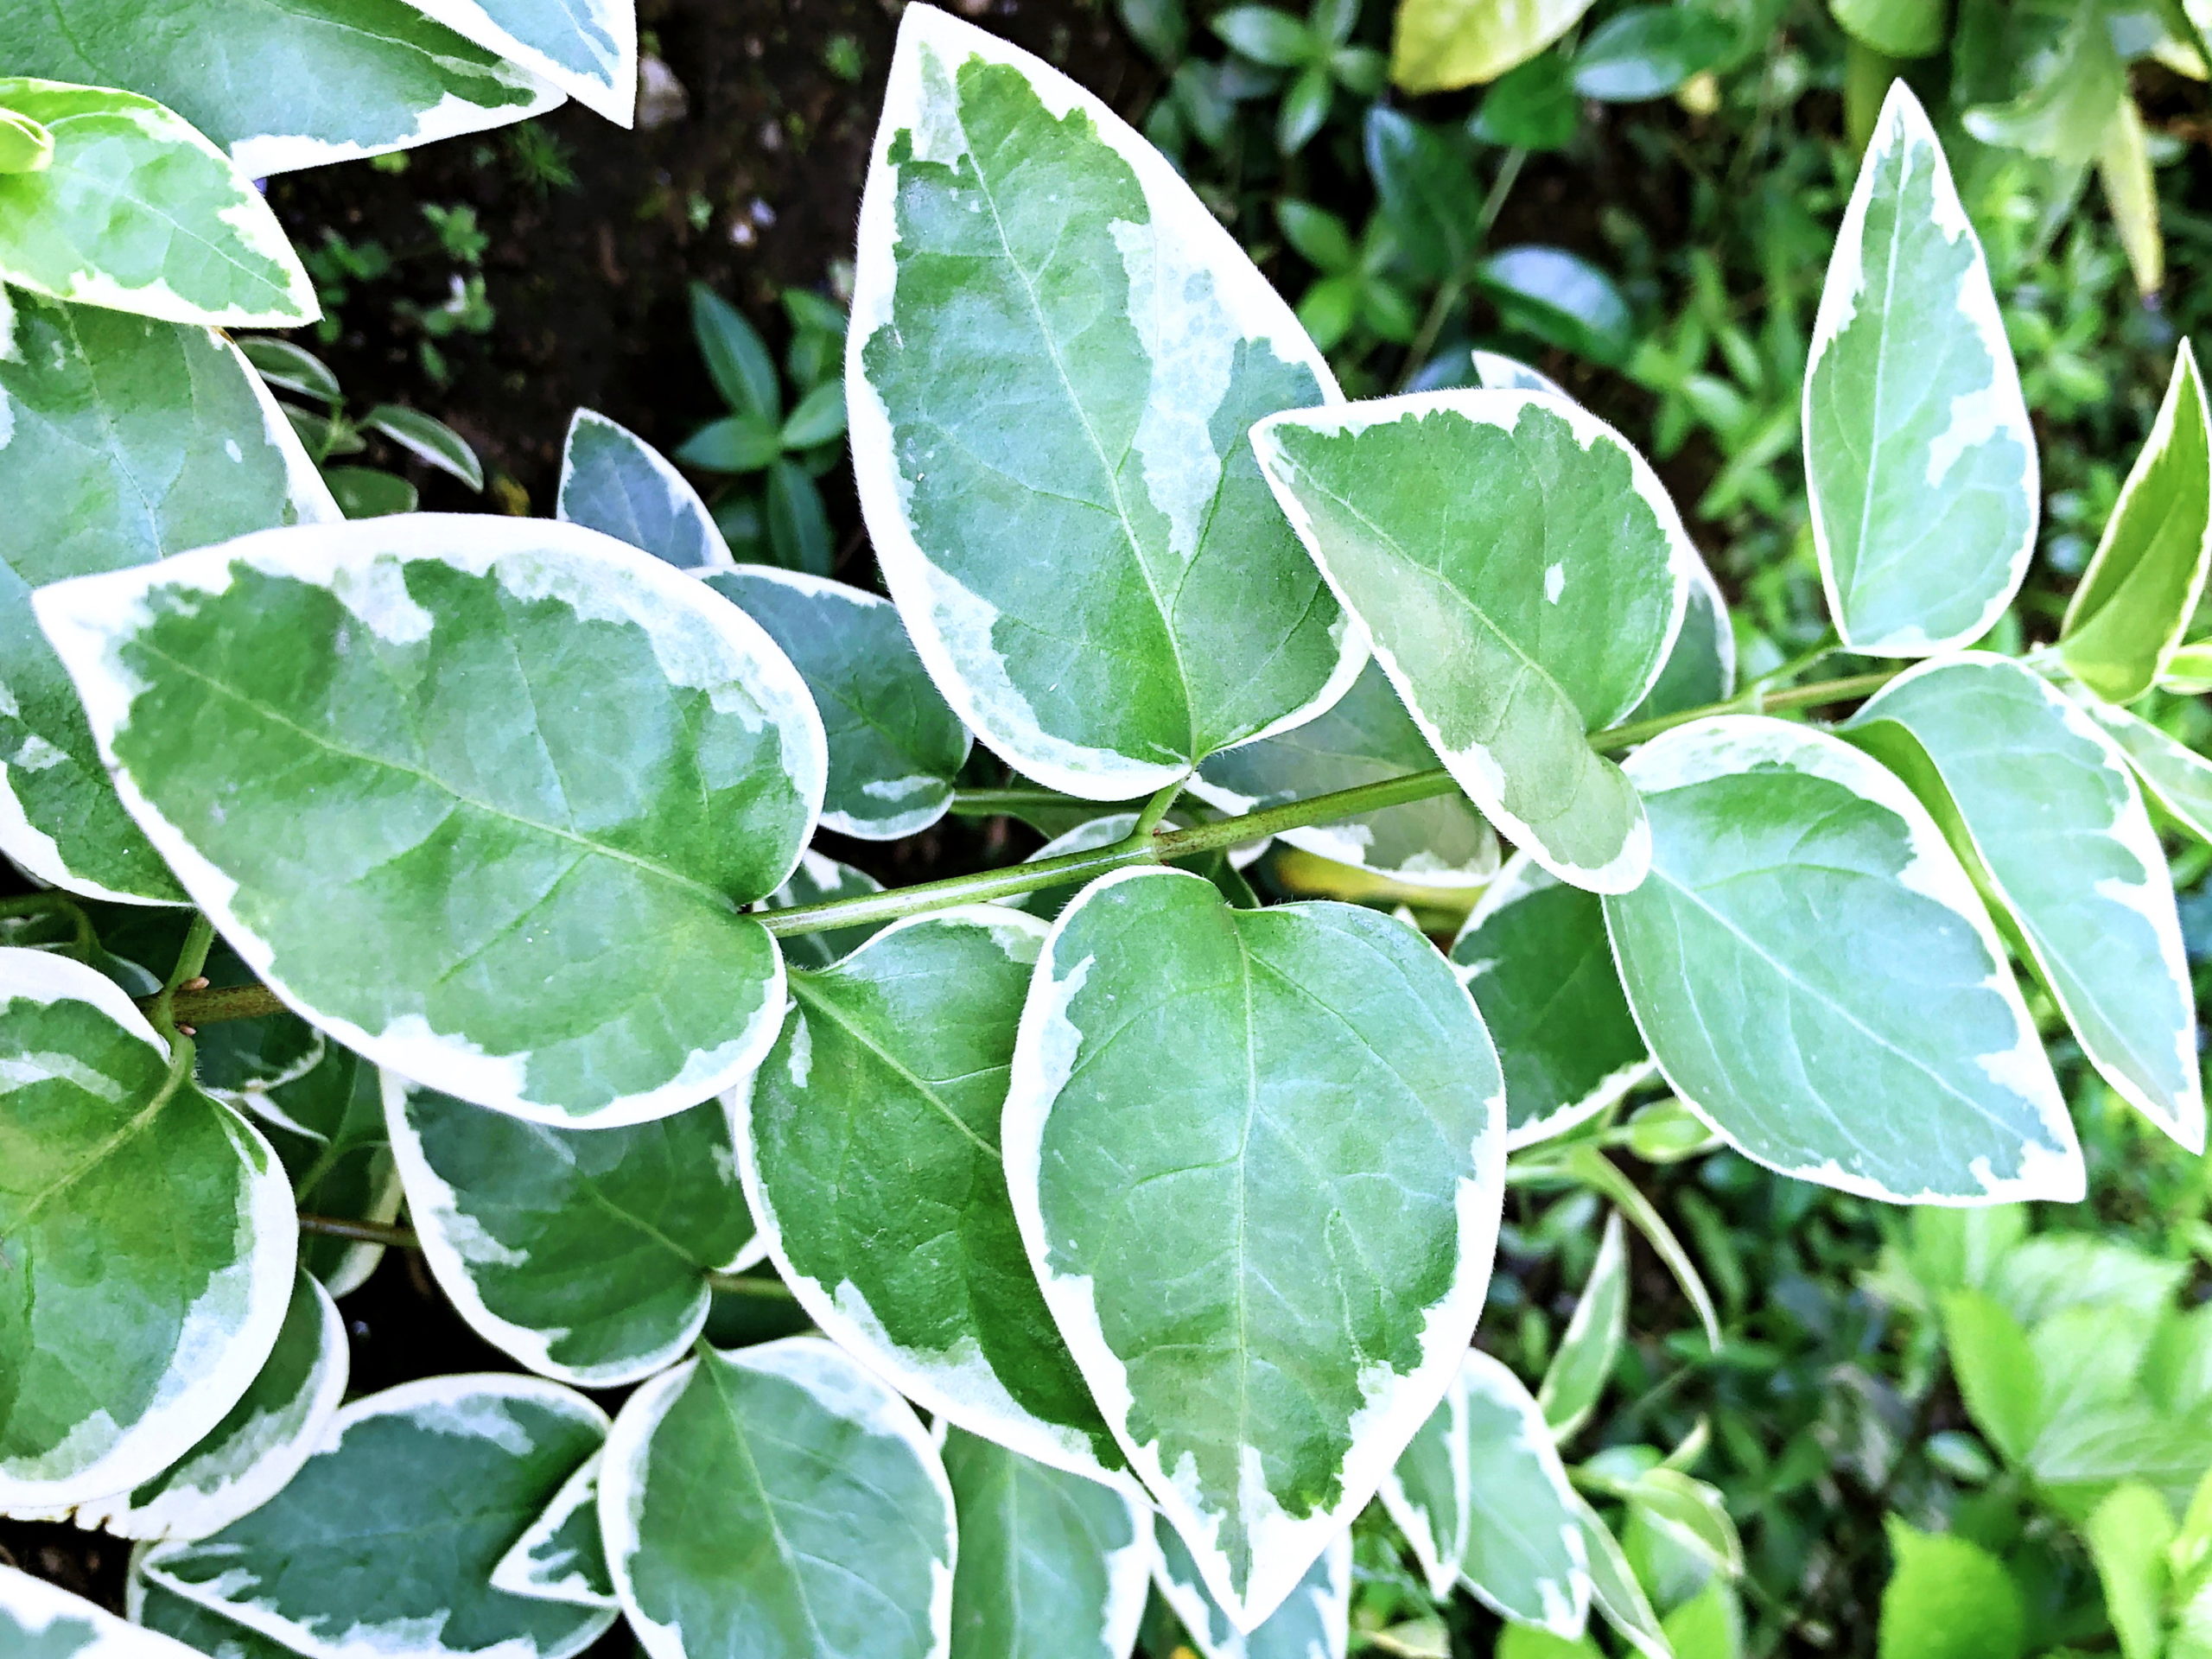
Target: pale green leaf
203	1631
1710	1625
791	1458
482	797
1997	1372
280	85
1525	1556
2177	777
2127	1535
2069	93
327	1127
613	480
817	880
385	1541
2131	191
2188	672
1056	346
2135	601
122	440
1920	465
1438	46
1576	1378
1894	1058
1614	1591
1425	1492
1314	1622
1701	669
147	1235
561	1555
1052	1566
26	145
1528	1642
1522	574
1896	28
1535	956
291	367
1257	1160
2041	807
245	1459
429	440
139	212
39	1620
1366	738
2038	1278
895	748
581	1253
368	493
1689	1516
1947	1598
588	49
869	1142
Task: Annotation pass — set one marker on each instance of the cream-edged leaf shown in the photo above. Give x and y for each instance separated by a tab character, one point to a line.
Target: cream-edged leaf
1576	1378
2177	777
39	1620
613	481
588	49
1522	1553
560	1555
1314	1622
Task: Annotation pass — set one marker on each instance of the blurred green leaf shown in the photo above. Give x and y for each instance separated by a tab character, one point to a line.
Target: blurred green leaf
1560	298
1647	52
1534	106
1268	36
2128	1534
1948	1599
737	358
1997	1372
365	493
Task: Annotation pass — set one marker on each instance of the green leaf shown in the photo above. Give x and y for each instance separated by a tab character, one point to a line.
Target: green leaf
819	419
1425	181
434	746
736	443
1438	46
2040	805
1534	953
792	1459
1645	52
2188	670
1710	1625
2038	1278
1920	464
1524	1556
146	1239
799	525
1531	107
1701	669
1689	1515
39	1620
868	1143
2177	777
2127	1534
2072	91
1426	1493
138	213
429	440
588	49
1896	28
369	492
1075	369
895	748
1494	372
1895	1058
1052	1566
1367	736
26	146
1948	1598
613	481
1579	1372
560	1555
1997	1372
581	1253
2135	601
1264	1242
291	368
1304	108
245	1459
1522	574
263	80
121	437
327	1127
385	1542
1561	298
1527	1642
1314	1622
737	358
206	1632
1320	237
1614	1591
816	882
1267	35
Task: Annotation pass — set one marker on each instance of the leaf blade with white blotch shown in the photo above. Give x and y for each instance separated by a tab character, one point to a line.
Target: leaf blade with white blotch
1522	574
2177	777
894	747
399	701
583	1254
589	50
2044	807
1523	1556
560	1555
280	87
430	1481
2135	601
148	1235
1126	343
1314	1622
614	481
1920	464
200	1629
1896	1059
1576	1378
1366	737
1052	1566
1180	1062
39	1620
1535	959
868	1143
1425	1492
791	1456
127	440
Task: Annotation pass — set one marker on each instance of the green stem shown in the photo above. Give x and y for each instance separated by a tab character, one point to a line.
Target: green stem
994	802
190	964
1154	810
1454	287
85	946
405	1238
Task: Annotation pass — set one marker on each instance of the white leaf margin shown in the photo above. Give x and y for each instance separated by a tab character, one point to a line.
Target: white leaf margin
1046	1052
1482	1374
842	1387
262	155
1329	1603
1001	716
1725	745
87	619
2160	763
518	1572
31	1607
1439	1555
1607	1279
683	501
612	92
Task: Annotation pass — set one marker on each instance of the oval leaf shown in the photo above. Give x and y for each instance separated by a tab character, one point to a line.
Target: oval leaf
894	747
1314	1622
1439	46
613	481
385	1541
1056	346
1920	465
789	1457
397	761
588	49
1577	1376
561	1556
2043	809
429	440
869	1142
581	1253
39	1620
1523	1554
1265	1242
146	1243
1893	1058
1523	574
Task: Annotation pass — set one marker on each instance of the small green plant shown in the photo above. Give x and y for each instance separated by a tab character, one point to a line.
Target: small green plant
318	415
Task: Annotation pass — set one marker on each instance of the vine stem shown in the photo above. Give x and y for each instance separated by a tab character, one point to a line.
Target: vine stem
405	1238
1145	846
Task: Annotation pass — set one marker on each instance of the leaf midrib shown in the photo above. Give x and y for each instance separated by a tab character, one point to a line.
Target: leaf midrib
802	988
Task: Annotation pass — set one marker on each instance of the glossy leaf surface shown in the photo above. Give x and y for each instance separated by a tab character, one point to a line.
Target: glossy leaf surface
588	49
1439	45
613	481
1523	1554
2177	777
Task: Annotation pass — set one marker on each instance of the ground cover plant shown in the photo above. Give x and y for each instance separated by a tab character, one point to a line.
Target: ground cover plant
1111	1249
